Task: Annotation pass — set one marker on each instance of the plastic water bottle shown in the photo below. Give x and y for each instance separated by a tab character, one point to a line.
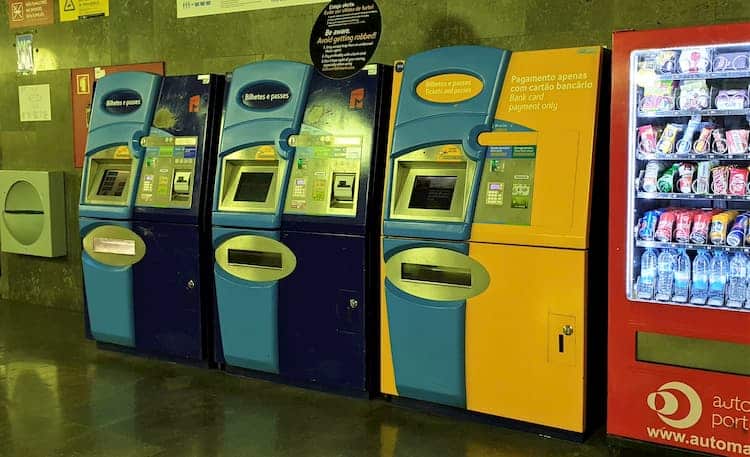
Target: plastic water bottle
717	278
647	280
699	289
747	289
681	277
737	288
665	275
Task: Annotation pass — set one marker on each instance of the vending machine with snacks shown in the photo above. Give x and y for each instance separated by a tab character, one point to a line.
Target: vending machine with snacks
679	303
489	299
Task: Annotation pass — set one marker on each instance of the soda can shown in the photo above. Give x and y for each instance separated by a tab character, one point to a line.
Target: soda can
651	176
686	173
720	180
683	224
737	181
720	226
665	228
701	224
736	236
666	180
647	226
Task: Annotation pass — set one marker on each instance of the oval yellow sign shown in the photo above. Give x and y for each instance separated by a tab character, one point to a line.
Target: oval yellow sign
449	88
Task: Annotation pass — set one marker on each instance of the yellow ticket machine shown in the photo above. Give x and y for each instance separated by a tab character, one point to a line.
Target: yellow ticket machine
486	233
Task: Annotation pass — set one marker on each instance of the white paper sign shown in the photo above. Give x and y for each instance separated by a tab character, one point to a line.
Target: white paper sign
34	103
192	8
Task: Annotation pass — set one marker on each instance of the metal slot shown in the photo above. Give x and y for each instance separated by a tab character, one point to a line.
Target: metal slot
257	259
433	274
114	246
701	354
23	211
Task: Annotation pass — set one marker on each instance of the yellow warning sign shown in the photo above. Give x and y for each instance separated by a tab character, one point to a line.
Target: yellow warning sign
72	10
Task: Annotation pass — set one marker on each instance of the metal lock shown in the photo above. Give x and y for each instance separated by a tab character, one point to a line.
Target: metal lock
353	303
567	330
191	284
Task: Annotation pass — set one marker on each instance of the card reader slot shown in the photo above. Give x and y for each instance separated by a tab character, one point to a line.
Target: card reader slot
23	211
255	259
434	274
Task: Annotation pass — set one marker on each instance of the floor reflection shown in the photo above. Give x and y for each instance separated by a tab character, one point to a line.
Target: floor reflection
60	396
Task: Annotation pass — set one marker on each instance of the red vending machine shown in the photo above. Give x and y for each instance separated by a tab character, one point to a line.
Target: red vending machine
679	286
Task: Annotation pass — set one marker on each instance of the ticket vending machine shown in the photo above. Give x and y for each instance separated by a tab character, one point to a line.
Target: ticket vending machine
173	282
486	235
121	115
264	107
328	304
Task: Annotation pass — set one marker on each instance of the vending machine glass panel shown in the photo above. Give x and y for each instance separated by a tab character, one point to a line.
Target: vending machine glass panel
689	204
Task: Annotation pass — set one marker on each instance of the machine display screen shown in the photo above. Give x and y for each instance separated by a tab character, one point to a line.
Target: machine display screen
113	183
436	275
253	187
433	192
245	258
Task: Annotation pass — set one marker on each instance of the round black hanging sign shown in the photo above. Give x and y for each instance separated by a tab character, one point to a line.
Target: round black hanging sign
345	37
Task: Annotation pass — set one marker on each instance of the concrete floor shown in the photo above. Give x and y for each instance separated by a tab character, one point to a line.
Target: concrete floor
60	396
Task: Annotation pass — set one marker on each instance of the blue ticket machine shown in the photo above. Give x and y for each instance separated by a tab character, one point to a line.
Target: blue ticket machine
121	115
264	107
447	97
328	304
173	282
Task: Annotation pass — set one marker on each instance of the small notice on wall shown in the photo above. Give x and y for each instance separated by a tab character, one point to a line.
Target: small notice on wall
192	8
345	37
34	103
30	13
72	10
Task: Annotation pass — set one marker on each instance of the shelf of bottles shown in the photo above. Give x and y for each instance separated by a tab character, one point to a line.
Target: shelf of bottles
690	164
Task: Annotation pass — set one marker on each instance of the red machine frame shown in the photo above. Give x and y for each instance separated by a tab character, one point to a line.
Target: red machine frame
640	394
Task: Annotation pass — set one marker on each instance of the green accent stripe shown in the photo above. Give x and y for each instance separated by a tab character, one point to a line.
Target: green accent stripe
701	354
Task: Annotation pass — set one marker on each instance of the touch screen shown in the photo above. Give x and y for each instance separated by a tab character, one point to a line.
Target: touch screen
433	192
253	187
113	183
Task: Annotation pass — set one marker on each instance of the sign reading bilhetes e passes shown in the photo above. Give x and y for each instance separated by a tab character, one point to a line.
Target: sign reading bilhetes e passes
345	37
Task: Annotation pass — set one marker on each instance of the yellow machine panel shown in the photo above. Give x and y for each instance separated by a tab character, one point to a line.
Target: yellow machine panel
485	304
525	336
555	94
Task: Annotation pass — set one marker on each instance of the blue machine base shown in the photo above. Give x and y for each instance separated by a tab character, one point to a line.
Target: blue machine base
247	314
322	308
109	294
428	337
170	311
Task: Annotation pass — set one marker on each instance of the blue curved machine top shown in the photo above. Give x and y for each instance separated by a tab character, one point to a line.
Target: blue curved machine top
121	114
264	106
432	179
